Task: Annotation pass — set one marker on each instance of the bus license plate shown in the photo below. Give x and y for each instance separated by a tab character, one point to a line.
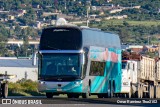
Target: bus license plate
59	89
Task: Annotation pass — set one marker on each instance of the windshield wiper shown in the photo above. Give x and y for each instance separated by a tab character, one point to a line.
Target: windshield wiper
68	75
52	47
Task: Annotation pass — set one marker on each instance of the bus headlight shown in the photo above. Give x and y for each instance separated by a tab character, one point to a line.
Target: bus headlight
41	82
78	82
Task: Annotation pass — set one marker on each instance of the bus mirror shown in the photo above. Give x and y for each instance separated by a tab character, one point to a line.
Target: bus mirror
83	59
34	56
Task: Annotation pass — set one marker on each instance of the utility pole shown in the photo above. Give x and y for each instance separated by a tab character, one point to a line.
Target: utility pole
65	5
26	53
17	53
131	4
159	50
148	39
87	16
88	9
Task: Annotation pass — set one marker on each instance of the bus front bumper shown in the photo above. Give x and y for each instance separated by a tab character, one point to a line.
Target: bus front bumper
60	87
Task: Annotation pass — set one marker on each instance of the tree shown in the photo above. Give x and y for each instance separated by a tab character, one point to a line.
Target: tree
25	46
17	30
3	49
24	32
124	35
125	23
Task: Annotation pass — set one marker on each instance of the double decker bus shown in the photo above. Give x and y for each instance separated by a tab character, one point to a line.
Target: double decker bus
79	62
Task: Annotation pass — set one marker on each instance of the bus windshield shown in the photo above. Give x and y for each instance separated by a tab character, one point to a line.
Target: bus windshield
60	65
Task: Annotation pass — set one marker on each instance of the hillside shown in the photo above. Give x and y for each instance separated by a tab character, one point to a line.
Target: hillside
25	19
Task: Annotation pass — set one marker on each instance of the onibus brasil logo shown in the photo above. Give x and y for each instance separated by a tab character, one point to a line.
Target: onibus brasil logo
17	101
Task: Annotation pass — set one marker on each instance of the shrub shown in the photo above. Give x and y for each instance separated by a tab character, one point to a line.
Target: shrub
24	87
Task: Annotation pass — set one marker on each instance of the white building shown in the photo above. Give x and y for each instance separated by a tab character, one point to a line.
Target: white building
38	25
22	68
115	10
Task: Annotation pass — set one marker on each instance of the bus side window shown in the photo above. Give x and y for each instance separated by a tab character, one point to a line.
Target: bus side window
97	68
92	68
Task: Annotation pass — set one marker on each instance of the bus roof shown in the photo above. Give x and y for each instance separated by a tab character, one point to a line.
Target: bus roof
99	38
95	37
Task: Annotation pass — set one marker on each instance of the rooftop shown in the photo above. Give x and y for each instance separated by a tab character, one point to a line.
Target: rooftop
27	63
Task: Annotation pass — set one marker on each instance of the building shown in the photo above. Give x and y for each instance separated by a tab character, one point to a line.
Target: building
1	20
124	47
151	48
92	16
101	13
45	14
10	17
136	48
109	1
36	6
67	17
133	48
21	12
137	7
38	25
116	17
22	68
115	10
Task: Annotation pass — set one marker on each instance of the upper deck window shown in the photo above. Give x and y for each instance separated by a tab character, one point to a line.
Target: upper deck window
61	39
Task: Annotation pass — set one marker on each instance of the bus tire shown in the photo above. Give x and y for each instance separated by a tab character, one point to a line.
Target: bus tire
106	95
150	91
128	95
4	88
70	95
76	95
86	95
100	95
49	95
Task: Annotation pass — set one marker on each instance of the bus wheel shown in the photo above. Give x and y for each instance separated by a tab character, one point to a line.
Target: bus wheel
49	95
70	95
105	95
4	90
100	95
76	96
86	95
128	95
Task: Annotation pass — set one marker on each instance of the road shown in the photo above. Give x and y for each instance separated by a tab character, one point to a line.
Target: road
91	102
